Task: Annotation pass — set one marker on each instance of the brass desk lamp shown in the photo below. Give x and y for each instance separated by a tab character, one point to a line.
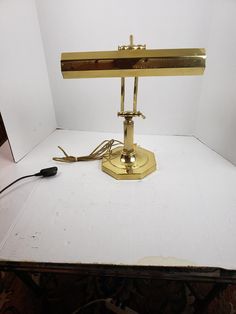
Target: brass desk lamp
130	161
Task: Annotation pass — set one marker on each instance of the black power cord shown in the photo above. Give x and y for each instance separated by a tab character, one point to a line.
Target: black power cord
46	172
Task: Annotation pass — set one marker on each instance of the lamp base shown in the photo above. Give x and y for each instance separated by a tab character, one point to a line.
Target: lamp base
144	164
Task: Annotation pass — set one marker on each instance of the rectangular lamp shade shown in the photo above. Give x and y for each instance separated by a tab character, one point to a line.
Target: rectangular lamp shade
132	63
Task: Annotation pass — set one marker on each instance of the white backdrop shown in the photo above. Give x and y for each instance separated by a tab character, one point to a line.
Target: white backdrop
169	103
203	106
216	120
25	96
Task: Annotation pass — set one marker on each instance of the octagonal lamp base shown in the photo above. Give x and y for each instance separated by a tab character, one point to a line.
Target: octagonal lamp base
144	164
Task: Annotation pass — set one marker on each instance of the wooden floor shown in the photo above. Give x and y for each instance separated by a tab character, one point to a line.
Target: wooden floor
63	293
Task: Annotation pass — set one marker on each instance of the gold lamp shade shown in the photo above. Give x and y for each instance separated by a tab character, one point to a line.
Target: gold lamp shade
133	63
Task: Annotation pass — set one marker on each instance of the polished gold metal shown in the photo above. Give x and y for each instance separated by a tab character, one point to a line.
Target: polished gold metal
131	45
144	164
135	94
122	99
133	63
129	161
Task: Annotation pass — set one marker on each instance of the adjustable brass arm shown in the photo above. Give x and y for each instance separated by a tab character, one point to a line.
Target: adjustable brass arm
135	94
122	98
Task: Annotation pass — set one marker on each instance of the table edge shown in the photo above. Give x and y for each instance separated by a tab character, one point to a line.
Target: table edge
180	273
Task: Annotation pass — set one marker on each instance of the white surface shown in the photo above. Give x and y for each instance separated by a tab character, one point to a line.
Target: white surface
170	103
12	200
216	124
183	214
25	97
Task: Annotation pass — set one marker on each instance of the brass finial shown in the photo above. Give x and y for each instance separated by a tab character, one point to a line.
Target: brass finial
131	45
131	40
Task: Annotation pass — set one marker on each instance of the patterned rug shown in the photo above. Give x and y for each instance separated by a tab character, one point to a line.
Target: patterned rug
62	294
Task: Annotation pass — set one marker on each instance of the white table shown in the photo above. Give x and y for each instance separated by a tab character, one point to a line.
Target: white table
184	214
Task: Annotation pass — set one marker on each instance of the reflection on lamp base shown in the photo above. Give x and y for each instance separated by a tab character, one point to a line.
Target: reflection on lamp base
144	164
